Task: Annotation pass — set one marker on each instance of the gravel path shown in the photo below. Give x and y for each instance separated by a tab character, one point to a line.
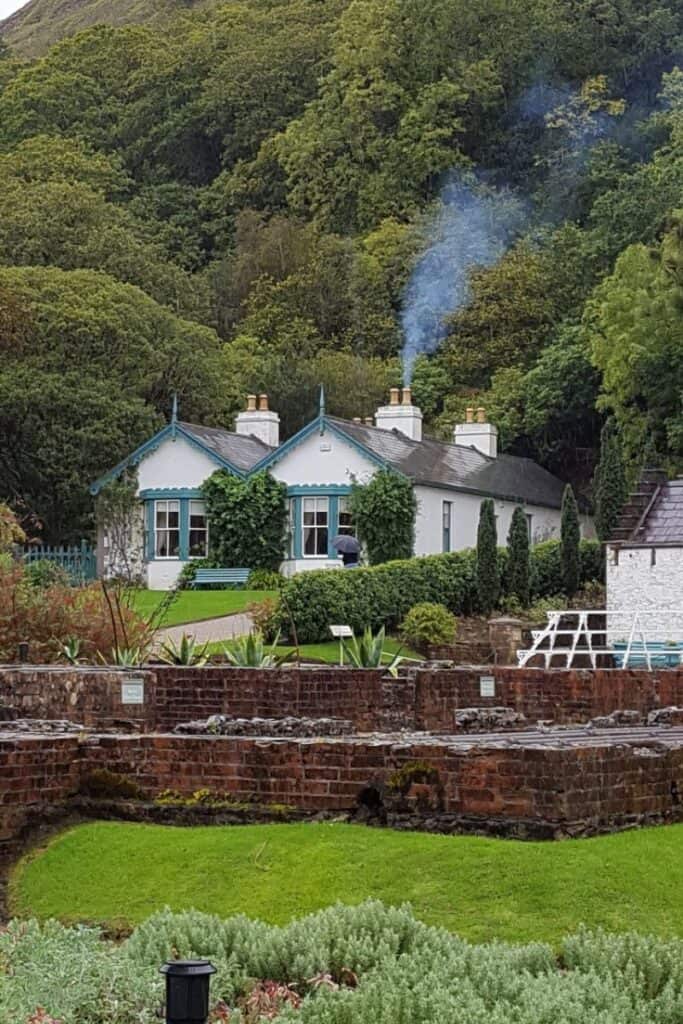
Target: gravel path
210	630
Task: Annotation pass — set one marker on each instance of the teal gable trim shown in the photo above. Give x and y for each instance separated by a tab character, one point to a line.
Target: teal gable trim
156	493
313	490
169	432
322	424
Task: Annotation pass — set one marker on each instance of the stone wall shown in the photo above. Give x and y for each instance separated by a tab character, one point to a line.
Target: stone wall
423	699
647	578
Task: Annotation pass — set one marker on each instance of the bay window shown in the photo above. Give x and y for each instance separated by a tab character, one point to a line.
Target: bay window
345	520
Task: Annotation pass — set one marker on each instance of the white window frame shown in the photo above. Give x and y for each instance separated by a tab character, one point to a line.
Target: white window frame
166	503
190	531
320	503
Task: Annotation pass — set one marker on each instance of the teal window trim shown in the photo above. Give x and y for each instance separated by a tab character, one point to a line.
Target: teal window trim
149	520
317	490
160	493
332	524
298	518
184	551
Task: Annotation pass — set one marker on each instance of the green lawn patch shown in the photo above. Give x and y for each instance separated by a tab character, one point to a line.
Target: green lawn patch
196	605
329	652
481	888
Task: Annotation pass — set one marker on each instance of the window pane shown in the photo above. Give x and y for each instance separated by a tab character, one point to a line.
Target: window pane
309	518
173	543
322	541
197	543
173	518
321	517
161	546
309	541
161	517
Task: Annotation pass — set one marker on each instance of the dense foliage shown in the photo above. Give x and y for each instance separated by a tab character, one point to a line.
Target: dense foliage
247	520
232	197
611	490
570	540
383	512
383	595
428	625
344	964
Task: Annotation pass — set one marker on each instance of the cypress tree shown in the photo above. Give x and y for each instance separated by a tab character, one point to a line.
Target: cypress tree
518	557
488	576
611	490
570	554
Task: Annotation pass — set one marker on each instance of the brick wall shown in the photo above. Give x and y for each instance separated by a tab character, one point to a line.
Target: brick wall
549	785
36	775
426	699
91	697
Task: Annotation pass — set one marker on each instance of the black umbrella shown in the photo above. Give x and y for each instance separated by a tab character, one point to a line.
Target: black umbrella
346	545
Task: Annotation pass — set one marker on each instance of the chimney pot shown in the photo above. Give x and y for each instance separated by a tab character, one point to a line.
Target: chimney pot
357	419
469	415
263	402
251	403
481	414
407	396
369	422
394	396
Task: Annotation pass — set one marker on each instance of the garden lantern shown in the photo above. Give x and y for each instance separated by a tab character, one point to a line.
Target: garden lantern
187	990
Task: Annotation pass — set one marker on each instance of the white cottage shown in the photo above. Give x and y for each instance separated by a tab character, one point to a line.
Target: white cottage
319	465
645	555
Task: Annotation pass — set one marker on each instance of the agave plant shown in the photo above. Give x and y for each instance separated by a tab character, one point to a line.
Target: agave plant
187	652
124	657
368	652
251	652
70	649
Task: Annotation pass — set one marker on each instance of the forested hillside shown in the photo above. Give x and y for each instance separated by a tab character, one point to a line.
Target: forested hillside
269	194
35	27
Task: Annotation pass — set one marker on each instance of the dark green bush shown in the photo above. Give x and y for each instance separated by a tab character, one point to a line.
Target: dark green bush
264	579
383	595
45	574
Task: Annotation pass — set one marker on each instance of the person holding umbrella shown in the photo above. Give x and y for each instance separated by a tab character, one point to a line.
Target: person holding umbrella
349	549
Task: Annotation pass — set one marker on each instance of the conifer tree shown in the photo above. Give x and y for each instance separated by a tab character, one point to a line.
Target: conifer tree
488	576
570	553
518	557
611	490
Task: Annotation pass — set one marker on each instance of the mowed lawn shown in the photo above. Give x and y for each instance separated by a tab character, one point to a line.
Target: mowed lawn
481	888
329	652
195	605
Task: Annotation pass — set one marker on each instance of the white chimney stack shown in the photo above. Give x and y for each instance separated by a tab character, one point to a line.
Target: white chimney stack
259	421
477	433
401	415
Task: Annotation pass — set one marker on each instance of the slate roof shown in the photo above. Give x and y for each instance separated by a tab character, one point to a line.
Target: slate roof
239	450
440	464
664	523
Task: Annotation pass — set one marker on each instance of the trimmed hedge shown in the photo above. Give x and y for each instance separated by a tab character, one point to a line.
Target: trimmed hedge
383	595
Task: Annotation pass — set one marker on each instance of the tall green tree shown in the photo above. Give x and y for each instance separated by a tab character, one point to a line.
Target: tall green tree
570	541
488	570
518	557
610	487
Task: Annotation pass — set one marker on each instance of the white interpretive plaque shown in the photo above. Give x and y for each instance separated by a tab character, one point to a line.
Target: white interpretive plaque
133	691
487	686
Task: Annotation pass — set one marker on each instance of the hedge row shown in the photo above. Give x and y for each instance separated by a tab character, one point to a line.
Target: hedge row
382	595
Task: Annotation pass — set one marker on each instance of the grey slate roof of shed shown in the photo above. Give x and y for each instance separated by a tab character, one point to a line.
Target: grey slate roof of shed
664	523
241	451
440	464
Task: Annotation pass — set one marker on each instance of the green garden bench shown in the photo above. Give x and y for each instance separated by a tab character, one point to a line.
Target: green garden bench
208	577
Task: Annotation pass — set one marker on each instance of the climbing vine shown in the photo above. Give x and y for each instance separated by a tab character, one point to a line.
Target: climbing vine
247	520
384	511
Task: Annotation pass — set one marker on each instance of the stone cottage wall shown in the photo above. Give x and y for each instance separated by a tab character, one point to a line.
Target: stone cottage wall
647	578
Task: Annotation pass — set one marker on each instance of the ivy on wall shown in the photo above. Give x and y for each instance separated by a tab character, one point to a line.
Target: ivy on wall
247	520
384	513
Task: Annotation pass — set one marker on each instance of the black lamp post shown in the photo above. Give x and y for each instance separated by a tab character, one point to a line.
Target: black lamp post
187	990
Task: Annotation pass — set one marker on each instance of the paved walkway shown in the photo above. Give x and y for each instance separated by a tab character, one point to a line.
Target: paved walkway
210	630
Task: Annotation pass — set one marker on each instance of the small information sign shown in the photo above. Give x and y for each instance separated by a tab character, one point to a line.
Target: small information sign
487	686
133	690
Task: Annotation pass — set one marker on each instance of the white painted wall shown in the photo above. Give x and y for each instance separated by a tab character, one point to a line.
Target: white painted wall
325	459
162	574
175	464
294	565
466	508
640	579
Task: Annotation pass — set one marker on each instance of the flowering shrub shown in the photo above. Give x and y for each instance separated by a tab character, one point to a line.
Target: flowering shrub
48	617
343	965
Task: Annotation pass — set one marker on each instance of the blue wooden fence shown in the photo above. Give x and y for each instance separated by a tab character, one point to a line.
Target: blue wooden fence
80	561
